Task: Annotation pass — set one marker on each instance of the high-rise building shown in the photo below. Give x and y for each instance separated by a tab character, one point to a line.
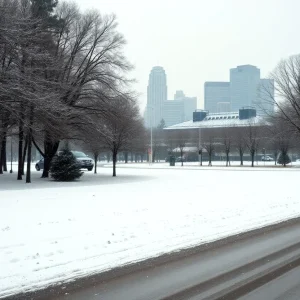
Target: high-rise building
180	109
173	112
223	107
156	95
214	93
244	83
245	89
189	105
179	95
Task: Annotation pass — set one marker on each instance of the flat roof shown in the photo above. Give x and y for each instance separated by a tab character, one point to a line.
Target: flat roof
219	120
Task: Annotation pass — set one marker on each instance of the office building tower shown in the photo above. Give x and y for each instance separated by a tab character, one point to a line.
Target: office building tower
156	96
214	93
244	83
180	109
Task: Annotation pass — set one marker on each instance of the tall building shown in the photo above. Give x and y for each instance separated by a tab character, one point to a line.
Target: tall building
180	109
214	93
156	96
223	107
189	105
173	112
179	95
244	83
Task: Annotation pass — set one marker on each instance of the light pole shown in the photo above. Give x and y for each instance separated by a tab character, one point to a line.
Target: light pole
11	155
151	143
199	146
151	134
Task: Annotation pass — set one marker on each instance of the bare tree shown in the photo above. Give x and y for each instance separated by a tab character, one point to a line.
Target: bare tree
282	137
182	138
226	141
239	141
90	68
252	139
286	98
210	146
119	130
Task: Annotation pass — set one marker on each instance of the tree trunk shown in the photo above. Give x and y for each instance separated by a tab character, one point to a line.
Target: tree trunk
241	157
181	157
284	155
209	159
24	154
114	163
3	143
3	155
131	157
227	159
95	159
20	150
126	157
1	170
201	159
50	150
29	147
252	158
275	156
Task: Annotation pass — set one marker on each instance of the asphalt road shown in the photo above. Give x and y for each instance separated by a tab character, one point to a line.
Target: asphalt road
285	287
227	272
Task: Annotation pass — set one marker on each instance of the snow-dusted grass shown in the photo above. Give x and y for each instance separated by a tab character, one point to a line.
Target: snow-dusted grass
51	232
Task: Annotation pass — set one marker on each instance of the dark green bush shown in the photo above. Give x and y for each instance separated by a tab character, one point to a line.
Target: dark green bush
64	167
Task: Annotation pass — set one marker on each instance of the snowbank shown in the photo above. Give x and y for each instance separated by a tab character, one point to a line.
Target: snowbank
52	232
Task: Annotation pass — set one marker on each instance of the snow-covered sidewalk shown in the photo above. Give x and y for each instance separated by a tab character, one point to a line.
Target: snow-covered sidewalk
51	232
234	165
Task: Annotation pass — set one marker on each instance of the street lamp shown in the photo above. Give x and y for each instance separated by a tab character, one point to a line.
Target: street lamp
199	147
151	134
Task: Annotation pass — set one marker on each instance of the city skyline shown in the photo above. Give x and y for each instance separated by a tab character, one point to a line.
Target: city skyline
159	107
211	37
245	88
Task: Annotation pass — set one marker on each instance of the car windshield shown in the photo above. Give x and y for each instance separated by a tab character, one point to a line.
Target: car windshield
79	154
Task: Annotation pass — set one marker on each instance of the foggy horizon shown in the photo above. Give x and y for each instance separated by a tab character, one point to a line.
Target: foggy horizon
199	42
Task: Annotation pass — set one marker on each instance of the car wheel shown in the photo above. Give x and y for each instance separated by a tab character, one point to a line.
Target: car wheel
90	169
37	167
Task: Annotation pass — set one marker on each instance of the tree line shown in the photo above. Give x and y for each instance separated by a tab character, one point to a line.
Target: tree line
63	76
255	138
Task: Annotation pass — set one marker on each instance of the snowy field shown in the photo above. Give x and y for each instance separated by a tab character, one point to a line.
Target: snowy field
52	232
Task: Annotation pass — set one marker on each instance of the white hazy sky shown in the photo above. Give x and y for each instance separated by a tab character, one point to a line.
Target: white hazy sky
200	40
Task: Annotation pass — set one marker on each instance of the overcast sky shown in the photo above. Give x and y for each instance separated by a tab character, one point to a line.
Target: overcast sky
200	40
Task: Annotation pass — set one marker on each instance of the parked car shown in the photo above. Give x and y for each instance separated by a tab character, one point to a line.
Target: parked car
83	160
40	165
180	159
267	158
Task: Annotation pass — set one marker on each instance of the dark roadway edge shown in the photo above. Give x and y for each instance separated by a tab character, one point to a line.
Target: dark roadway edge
238	289
255	282
89	281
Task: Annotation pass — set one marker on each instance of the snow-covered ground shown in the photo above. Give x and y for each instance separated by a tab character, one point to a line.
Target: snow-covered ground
52	232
